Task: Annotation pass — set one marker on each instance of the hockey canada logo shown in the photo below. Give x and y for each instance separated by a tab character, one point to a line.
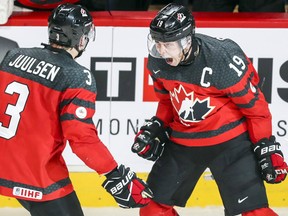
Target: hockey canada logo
83	12
181	17
190	109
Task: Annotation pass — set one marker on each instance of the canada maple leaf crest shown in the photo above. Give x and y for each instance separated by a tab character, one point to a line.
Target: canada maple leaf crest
189	109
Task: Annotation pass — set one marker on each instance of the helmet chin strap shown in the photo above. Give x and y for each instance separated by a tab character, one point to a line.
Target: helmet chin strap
190	55
79	53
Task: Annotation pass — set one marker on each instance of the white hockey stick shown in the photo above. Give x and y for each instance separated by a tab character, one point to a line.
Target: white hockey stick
280	171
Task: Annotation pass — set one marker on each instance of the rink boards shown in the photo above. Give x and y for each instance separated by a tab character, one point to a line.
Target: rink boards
118	59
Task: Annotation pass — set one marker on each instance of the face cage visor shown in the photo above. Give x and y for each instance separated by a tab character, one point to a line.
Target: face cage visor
92	33
84	40
88	36
164	50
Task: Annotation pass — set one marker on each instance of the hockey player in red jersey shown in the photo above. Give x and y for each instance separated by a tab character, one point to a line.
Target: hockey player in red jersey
47	98
211	113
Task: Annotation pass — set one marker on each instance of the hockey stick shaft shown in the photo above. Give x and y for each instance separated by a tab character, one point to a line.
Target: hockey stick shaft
283	170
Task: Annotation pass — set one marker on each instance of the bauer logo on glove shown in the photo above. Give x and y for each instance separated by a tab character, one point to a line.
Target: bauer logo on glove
122	184
127	190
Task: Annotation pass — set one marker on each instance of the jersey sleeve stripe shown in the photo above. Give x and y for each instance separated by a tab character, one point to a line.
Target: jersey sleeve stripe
69	117
78	102
252	102
163	91
244	91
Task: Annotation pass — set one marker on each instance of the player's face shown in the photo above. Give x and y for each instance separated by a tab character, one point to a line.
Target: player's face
170	51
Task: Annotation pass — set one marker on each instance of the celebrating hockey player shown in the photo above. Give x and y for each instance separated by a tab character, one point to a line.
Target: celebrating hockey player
47	98
211	114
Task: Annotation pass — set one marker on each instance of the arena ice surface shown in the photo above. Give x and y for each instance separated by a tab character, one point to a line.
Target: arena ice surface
196	211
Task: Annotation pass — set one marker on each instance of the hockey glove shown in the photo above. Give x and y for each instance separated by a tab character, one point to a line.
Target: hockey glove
150	140
127	190
270	158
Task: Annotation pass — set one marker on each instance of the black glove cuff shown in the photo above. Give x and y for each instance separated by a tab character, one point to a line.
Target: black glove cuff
158	121
152	124
108	175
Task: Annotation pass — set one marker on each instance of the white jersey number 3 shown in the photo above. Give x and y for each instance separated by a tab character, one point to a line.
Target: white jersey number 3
14	110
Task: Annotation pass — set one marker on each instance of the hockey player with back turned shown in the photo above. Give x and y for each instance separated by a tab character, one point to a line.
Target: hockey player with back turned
211	113
47	98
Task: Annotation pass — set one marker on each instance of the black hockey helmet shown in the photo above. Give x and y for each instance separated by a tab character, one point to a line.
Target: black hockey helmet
172	23
71	25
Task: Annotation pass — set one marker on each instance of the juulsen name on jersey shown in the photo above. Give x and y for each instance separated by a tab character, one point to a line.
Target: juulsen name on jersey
34	66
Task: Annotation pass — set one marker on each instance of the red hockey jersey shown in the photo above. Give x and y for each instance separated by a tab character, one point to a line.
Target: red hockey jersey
46	99
212	100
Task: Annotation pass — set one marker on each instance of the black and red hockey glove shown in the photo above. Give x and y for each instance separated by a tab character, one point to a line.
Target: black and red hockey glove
270	158
150	140
127	190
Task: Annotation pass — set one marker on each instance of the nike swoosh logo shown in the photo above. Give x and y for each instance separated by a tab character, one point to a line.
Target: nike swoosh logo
242	200
155	72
